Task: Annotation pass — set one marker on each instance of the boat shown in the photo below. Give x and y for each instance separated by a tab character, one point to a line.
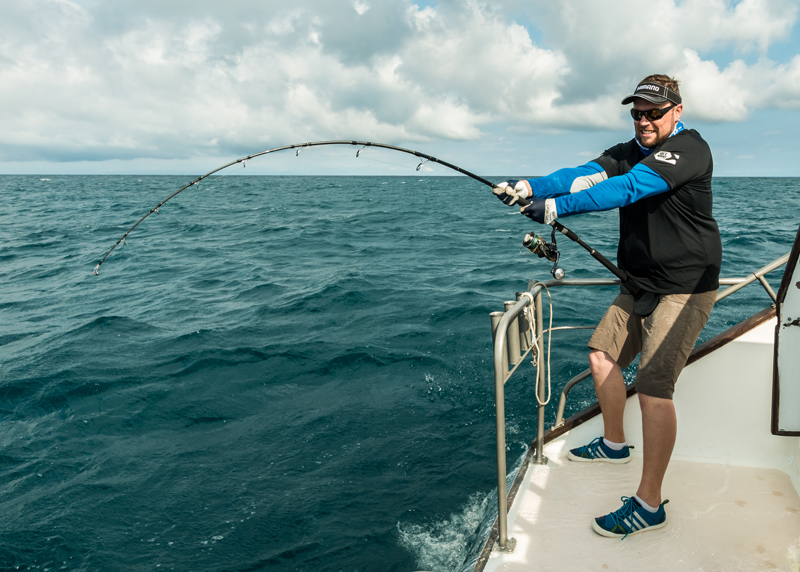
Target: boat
734	478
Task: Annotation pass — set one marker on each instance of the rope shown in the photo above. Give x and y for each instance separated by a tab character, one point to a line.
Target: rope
536	359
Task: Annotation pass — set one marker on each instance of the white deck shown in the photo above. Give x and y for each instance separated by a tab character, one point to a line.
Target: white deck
720	517
733	487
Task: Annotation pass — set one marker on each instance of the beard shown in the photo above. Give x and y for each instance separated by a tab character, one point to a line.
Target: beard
659	139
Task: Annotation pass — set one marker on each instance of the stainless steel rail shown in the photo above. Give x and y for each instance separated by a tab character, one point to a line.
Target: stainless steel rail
507	348
562	400
739	283
506	351
500	326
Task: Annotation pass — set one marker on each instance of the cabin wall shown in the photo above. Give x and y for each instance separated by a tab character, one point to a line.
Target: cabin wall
724	405
788	358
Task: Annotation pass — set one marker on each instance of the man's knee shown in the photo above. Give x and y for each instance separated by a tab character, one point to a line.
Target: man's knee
601	363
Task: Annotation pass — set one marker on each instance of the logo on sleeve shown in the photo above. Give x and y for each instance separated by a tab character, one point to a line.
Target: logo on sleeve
667	157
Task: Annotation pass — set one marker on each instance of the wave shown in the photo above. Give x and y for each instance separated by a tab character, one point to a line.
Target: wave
356	359
259	292
454	543
217	359
111	324
348	290
443	546
10	338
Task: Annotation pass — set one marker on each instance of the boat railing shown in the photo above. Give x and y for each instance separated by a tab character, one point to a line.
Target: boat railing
519	331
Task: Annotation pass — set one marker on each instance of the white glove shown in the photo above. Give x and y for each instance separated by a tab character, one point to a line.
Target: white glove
513	192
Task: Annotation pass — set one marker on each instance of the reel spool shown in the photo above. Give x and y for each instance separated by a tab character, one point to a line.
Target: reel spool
548	250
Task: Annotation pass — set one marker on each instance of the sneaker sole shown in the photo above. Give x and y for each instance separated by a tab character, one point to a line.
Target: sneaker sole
620	461
608	534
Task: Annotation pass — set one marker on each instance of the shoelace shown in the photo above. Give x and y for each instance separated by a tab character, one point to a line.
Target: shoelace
625	511
592	447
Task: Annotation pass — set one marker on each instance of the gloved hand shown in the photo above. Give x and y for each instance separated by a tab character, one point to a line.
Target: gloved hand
542	211
513	192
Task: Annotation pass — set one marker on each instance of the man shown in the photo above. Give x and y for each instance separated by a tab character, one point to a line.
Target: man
670	245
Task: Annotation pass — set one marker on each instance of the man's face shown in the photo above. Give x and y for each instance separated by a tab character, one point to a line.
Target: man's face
653	133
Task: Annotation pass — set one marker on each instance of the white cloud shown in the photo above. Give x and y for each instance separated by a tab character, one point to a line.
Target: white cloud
713	94
610	46
781	86
153	79
360	7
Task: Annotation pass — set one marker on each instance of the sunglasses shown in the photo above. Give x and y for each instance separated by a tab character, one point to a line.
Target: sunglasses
651	114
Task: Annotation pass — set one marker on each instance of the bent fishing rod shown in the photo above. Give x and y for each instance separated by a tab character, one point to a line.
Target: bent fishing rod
532	242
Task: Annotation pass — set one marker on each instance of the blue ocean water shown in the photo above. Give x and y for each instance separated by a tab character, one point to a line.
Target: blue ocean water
282	373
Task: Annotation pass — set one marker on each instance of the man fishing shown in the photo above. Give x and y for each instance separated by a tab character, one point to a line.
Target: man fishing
670	246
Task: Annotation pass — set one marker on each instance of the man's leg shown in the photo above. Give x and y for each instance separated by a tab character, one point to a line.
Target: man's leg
670	334
659	428
614	344
610	388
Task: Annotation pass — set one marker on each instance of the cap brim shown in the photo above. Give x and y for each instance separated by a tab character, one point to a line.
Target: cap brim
647	96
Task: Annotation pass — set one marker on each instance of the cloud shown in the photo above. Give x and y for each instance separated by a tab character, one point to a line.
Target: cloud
610	46
781	87
713	94
89	81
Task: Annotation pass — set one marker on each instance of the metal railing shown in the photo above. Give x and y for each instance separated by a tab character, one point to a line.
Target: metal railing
507	352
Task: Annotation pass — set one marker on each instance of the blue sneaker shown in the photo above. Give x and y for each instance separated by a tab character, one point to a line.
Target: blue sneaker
630	519
597	451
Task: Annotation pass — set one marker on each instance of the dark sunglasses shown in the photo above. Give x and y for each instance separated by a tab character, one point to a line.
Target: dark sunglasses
651	114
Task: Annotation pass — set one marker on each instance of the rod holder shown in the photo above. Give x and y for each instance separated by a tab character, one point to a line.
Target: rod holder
524	328
513	336
496	317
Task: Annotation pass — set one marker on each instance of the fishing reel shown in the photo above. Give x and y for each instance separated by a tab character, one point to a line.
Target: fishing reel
548	250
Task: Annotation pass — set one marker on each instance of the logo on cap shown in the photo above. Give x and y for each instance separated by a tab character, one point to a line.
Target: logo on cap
650	87
653	92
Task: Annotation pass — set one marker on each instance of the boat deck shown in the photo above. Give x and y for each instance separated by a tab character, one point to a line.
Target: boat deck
719	517
733	486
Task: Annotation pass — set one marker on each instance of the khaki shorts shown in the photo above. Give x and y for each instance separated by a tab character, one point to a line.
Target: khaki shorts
665	338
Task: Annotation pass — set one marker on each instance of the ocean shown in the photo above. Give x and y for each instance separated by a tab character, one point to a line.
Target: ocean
284	372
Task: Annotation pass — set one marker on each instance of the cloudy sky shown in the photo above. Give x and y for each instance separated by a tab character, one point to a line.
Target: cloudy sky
507	87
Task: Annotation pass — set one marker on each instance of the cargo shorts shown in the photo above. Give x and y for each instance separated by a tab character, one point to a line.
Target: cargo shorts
665	338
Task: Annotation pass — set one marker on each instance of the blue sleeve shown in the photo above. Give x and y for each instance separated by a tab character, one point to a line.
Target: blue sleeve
636	184
559	183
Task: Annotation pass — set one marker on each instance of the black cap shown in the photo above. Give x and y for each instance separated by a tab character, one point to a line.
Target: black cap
653	92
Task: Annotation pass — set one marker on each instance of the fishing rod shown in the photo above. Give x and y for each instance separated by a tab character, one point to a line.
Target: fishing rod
536	244
299	147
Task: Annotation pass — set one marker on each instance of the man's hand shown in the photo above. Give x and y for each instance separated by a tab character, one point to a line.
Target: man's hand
513	192
542	211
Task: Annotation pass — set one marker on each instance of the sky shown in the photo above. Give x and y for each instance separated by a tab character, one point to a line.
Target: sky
508	87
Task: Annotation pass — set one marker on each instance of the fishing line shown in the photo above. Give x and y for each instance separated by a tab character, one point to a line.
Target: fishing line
298	147
232	173
398	165
628	281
